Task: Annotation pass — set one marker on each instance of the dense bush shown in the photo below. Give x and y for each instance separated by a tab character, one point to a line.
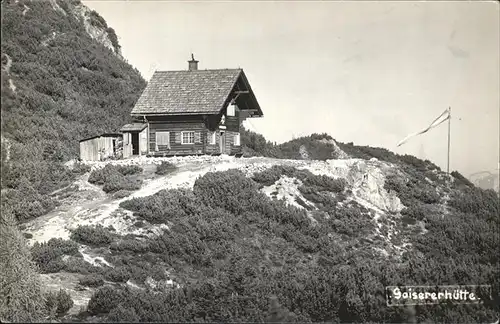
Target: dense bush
117	274
129	169
317	146
48	255
21	299
325	183
104	300
485	203
59	303
412	189
120	314
117	183
92	235
230	190
168	204
130	245
269	176
121	194
79	265
115	178
461	180
81	168
67	88
165	168
93	280
26	202
240	258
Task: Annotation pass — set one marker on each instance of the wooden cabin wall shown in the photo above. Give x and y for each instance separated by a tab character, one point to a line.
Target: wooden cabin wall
202	126
229	148
233	122
176	125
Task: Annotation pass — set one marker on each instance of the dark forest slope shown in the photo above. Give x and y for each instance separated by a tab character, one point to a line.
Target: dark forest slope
63	79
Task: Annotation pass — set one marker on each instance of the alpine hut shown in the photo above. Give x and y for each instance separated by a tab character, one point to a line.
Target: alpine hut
191	112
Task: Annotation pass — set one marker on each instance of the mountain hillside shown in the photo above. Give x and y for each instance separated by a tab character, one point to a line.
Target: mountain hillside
63	79
215	237
310	230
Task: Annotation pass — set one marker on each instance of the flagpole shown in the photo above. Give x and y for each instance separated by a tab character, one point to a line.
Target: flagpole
449	131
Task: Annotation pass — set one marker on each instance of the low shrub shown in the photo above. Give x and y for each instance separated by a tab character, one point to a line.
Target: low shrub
121	314
461	180
351	220
163	206
117	274
325	183
58	303
48	255
115	178
412	188
165	168
230	190
26	202
130	245
119	183
79	265
93	280
121	194
129	169
269	176
100	176
104	300
81	168
92	235
478	201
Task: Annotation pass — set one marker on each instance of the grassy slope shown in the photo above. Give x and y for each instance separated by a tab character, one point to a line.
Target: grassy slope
232	248
71	88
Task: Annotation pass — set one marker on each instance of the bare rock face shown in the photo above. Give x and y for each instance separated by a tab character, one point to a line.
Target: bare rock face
339	154
303	152
99	32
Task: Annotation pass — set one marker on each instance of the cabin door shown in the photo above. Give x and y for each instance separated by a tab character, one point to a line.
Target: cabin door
135	143
222	142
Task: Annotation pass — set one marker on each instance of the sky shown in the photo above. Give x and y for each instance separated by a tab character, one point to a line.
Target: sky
363	72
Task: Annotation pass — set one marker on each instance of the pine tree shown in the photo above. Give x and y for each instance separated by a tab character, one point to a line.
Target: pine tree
21	299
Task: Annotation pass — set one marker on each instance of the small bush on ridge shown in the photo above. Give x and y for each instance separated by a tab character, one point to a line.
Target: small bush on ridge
59	303
165	168
92	235
92	280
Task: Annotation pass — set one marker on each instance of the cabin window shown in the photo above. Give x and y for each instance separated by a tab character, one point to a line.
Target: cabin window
211	137
231	110
162	139
187	137
237	139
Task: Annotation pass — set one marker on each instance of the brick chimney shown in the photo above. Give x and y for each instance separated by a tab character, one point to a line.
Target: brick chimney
193	64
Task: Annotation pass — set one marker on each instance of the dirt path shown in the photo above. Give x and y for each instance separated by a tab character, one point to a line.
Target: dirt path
89	205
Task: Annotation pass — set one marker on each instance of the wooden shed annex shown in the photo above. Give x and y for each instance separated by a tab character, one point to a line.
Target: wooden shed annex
100	147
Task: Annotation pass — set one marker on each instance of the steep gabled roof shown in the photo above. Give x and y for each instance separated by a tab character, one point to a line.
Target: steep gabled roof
188	92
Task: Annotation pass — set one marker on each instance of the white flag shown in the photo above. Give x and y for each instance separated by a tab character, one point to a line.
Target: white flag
442	118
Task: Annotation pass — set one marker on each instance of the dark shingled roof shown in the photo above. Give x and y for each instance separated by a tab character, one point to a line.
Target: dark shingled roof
134	127
187	92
